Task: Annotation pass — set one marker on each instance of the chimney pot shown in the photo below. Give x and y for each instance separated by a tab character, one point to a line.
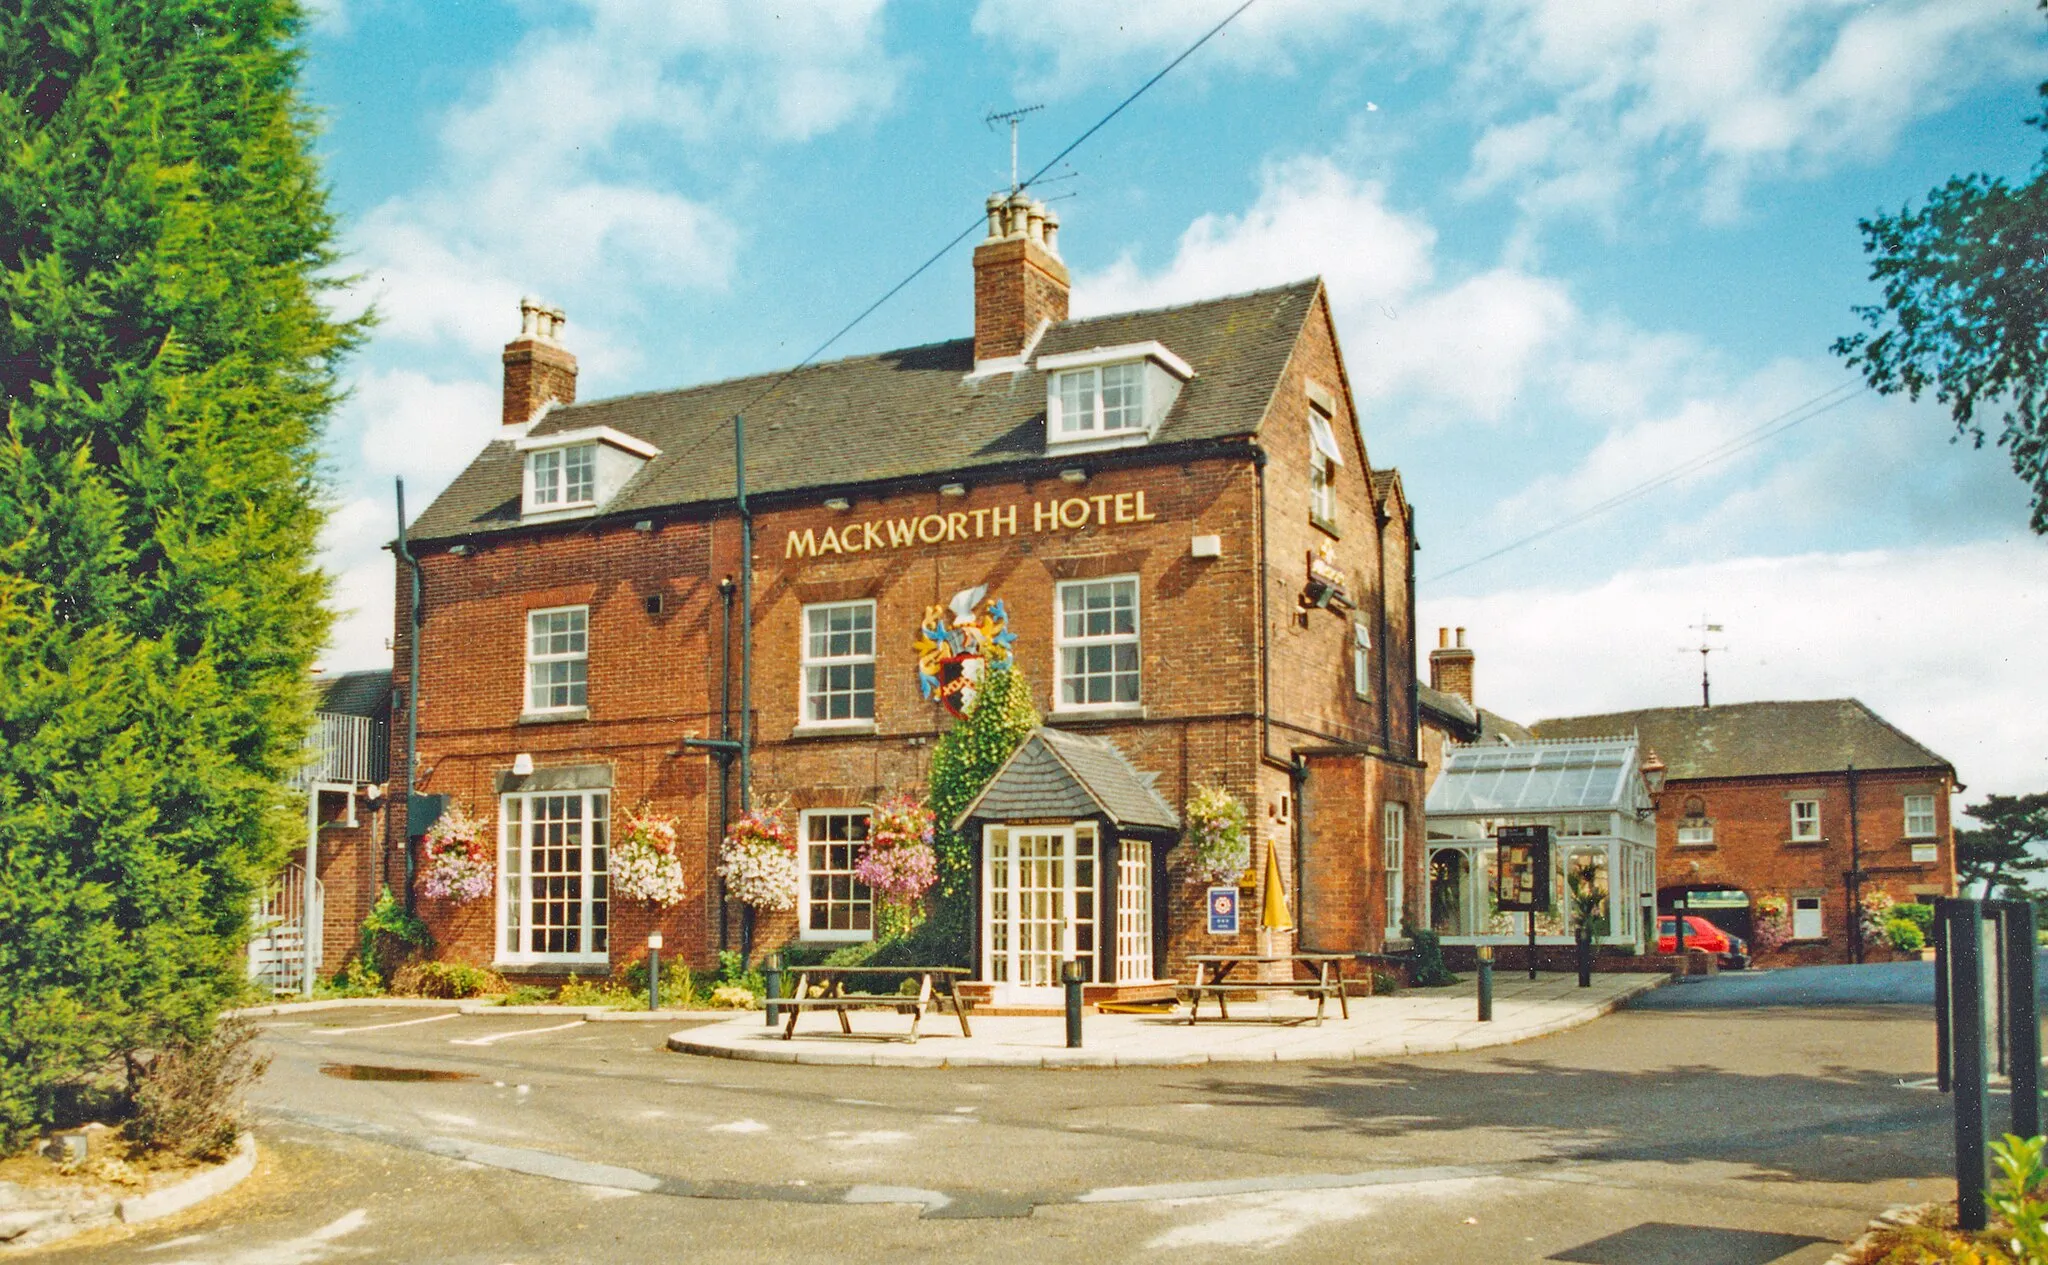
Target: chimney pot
1443	639
538	369
1461	639
1020	282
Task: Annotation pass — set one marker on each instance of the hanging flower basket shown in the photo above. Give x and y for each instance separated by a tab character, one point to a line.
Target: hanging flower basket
460	865
1218	837
897	862
1770	929
757	860
644	861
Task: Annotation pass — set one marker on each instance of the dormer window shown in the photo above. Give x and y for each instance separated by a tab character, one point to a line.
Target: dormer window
563	478
1109	397
576	472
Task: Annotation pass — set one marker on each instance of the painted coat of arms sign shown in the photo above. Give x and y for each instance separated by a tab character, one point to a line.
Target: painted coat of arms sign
958	643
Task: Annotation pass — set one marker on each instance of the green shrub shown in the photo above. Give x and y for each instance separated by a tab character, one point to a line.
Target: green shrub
357	979
451	980
1385	983
1905	936
1920	915
2019	1195
578	992
1428	970
189	1099
678	986
390	937
528	995
734	972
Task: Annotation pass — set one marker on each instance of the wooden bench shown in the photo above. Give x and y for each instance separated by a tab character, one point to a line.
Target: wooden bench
834	997
1213	970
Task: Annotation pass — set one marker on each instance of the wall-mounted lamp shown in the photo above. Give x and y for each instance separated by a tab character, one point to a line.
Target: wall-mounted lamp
460	551
522	765
1206	547
952	489
373	792
1073	474
838	504
654	939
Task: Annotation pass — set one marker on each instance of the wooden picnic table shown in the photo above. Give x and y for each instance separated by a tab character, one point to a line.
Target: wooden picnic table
833	996
1213	971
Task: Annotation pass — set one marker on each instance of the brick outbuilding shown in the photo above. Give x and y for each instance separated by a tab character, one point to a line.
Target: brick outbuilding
1167	520
1808	802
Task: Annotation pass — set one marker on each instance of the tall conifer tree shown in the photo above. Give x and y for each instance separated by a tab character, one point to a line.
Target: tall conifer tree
166	367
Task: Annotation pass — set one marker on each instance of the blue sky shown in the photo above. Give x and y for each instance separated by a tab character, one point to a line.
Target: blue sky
1572	245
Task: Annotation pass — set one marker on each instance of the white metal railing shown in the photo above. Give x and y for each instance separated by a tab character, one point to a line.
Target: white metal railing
280	921
343	749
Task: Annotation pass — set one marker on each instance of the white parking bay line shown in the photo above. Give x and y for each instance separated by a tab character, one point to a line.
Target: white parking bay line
523	1032
376	1027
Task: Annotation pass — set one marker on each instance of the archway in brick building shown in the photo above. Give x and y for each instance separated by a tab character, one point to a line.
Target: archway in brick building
1726	907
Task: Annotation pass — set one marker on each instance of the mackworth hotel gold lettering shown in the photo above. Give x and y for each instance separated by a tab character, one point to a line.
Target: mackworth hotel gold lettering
1070	513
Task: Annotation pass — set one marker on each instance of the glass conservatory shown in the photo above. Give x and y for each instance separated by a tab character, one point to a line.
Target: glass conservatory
1603	832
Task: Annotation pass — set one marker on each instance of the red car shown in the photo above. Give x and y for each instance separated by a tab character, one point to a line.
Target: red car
1703	935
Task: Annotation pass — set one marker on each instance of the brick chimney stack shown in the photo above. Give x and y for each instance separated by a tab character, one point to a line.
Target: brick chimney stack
1450	667
537	367
1019	281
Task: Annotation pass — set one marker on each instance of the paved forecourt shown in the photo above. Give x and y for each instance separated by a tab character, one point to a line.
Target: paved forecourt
1274	1029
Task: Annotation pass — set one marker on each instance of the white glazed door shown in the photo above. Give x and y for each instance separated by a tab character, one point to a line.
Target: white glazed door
1038	890
1134	913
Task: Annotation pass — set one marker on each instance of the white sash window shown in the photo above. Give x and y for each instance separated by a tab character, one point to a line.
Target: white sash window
553	899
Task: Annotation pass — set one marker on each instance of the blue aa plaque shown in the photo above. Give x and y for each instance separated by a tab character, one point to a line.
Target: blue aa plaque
1223	911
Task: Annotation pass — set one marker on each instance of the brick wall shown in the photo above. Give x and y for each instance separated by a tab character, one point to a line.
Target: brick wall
1017	285
1753	850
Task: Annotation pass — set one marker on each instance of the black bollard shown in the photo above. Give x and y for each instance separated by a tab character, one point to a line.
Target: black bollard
1585	962
654	971
2023	1021
1070	976
771	979
1485	983
1966	1028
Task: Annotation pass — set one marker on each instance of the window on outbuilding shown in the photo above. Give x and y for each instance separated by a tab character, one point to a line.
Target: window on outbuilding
1919	816
1805	820
1393	851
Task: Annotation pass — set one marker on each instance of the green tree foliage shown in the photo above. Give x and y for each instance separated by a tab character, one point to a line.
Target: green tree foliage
1965	310
2001	854
963	761
165	369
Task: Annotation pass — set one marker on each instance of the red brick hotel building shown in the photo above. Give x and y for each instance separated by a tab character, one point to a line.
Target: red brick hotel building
1171	512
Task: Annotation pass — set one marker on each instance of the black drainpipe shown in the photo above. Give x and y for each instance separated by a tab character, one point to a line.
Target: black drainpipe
725	593
412	690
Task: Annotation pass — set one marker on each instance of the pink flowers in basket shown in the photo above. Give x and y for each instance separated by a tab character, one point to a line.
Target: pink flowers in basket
898	863
460	866
757	860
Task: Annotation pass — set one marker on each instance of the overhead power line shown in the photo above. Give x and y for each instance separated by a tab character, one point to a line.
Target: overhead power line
1763	432
981	220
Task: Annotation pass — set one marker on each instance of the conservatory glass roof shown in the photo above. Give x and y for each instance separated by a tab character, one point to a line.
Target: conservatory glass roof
1536	777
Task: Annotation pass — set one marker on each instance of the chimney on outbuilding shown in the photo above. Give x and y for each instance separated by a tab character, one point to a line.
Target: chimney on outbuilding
1019	281
1450	666
537	367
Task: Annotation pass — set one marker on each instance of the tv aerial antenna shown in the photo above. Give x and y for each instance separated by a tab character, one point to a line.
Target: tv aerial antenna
1706	631
1012	117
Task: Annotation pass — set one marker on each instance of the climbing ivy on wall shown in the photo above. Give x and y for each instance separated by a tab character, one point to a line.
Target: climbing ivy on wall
963	761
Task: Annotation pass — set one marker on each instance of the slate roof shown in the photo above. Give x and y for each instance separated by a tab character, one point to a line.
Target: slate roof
898	414
365	693
1469	723
1054	775
1759	739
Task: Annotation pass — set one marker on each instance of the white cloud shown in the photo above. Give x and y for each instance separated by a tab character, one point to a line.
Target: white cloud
1938	641
1612	97
427	430
351	552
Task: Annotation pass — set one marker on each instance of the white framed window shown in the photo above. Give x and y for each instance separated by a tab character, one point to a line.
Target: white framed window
839	664
1805	820
1097	643
1919	816
1393	851
554	903
1098	400
561	478
1806	918
1923	853
1695	833
558	659
1324	458
831	903
1361	659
